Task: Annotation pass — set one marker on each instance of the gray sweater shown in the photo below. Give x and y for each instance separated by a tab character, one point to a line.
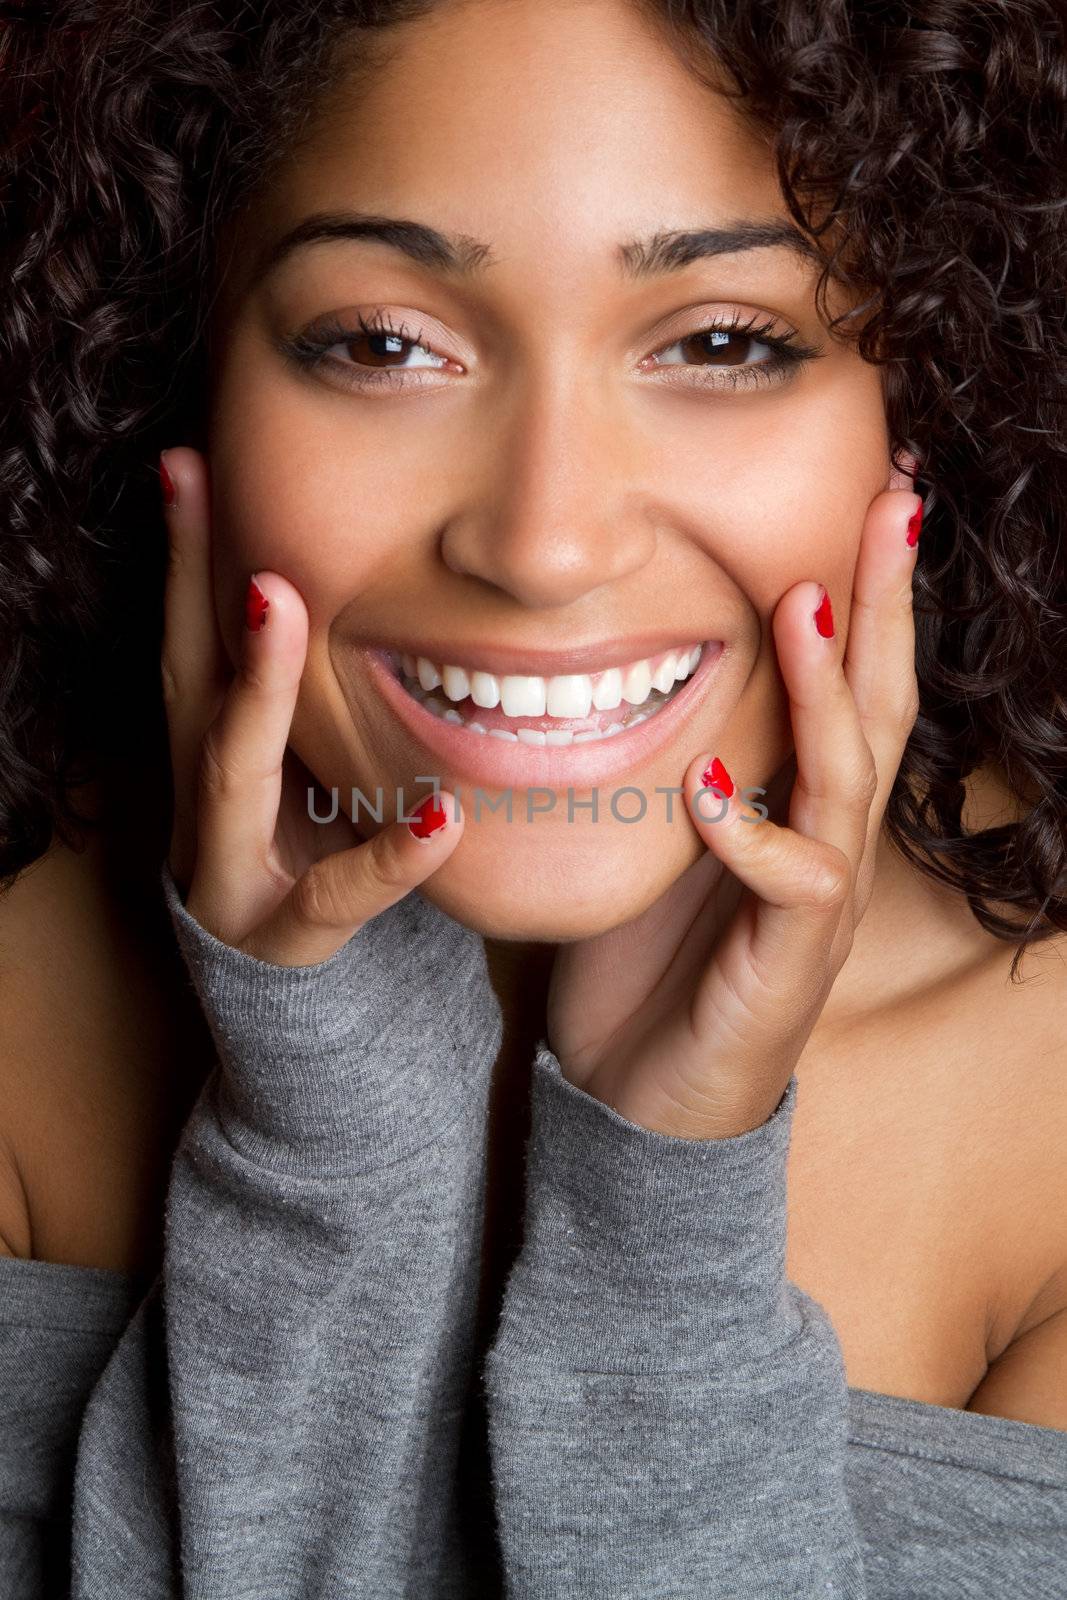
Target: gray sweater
300	1405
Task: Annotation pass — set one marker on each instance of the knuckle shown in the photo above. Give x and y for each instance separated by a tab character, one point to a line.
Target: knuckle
216	780
175	561
314	901
846	938
868	785
177	566
909	714
390	867
828	879
861	784
257	677
169	681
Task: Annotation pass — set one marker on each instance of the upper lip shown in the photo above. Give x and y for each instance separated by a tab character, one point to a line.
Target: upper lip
533	661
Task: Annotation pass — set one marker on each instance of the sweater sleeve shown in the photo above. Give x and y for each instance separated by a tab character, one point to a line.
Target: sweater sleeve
667	1412
283	1416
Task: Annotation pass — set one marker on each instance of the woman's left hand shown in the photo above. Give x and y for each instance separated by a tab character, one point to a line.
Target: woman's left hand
692	1028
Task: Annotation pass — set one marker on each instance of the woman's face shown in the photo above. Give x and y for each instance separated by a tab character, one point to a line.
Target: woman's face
565	465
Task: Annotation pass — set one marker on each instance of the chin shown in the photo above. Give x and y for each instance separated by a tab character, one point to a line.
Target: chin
544	892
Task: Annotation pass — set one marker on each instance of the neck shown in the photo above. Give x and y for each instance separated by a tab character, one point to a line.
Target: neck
916	932
520	971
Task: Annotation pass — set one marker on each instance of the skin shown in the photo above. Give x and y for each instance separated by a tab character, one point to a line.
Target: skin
555	494
552	492
541	504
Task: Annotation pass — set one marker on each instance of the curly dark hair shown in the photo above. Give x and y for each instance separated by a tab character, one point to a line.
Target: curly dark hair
923	147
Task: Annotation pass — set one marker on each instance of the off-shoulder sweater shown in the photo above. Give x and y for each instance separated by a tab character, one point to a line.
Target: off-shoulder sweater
300	1407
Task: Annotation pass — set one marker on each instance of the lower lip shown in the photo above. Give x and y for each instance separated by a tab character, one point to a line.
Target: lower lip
497	763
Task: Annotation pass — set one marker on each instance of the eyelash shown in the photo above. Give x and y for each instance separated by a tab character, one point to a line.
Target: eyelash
311	350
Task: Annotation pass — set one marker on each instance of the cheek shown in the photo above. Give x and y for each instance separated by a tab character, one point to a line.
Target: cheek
296	491
795	493
775	491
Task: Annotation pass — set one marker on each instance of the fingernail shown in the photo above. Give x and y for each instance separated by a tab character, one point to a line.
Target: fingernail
715	776
256	607
168	487
915	522
429	817
824	617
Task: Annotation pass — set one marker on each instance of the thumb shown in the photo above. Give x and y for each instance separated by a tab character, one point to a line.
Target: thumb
338	894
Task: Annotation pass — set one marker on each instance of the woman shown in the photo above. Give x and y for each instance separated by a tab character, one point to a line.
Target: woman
508	357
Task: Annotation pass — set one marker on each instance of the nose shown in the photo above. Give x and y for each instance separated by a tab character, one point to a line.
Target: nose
553	505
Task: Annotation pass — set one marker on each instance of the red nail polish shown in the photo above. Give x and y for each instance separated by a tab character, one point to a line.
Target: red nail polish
915	523
256	607
824	617
429	816
716	776
167	485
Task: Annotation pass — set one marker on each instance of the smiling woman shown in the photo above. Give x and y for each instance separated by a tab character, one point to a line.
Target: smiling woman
562	444
622	1158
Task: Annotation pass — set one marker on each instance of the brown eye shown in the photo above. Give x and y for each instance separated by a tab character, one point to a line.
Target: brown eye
367	353
387	348
731	356
718	347
381	348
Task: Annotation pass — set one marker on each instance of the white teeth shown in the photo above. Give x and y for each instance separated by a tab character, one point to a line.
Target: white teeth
534	736
485	690
663	677
636	682
608	690
522	697
570	695
457	685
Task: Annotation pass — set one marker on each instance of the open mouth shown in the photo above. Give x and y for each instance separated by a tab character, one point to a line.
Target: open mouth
573	708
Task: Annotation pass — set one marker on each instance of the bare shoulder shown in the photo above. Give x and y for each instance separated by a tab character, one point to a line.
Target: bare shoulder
1021	1032
93	1028
36	916
1022	1024
931	1124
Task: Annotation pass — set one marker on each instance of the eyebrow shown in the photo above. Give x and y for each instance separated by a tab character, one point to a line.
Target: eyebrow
460	256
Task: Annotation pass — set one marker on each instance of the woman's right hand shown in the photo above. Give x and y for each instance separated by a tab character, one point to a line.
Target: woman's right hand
254	868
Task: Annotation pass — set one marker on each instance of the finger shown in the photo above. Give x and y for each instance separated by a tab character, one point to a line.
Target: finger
835	778
801	886
829	807
804	875
193	666
337	895
240	780
879	664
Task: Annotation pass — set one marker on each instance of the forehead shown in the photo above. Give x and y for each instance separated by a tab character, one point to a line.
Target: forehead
527	124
